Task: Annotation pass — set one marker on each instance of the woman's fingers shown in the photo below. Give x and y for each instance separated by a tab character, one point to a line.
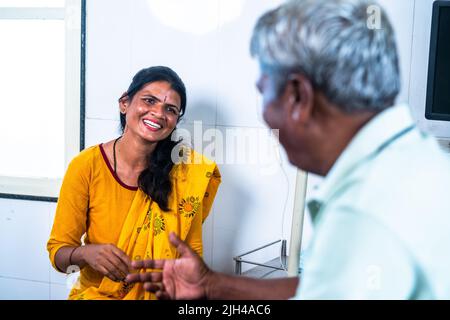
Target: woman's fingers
105	272
120	268
124	259
114	273
120	265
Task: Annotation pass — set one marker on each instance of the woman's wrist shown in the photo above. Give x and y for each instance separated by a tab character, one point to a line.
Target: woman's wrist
78	256
71	263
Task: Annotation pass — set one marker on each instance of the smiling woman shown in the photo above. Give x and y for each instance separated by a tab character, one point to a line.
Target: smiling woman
126	195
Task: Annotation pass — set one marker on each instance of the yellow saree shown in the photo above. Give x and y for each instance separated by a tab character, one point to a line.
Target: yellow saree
145	232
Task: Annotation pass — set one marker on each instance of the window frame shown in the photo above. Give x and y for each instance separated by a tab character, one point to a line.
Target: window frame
74	16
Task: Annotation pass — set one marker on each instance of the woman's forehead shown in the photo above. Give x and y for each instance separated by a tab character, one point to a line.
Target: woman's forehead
161	90
157	86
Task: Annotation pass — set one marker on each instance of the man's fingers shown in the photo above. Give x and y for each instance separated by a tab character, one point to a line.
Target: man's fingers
157	289
162	295
182	248
153	287
134	277
148	264
144	277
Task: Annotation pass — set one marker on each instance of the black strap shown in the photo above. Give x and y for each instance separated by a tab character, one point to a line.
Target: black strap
114	154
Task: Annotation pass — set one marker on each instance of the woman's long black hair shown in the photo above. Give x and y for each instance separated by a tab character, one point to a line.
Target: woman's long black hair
155	179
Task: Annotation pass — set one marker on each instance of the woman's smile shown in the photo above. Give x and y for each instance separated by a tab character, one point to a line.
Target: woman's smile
152	125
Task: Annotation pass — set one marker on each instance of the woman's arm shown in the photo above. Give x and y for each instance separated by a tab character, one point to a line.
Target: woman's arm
104	258
68	256
69	223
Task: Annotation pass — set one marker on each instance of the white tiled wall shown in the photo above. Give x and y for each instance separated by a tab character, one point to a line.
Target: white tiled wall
25	271
124	36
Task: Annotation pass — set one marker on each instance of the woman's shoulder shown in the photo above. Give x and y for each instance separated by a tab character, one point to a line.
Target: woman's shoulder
187	156
86	157
191	162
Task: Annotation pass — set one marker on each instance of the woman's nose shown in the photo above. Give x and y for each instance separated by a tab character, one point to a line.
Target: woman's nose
157	110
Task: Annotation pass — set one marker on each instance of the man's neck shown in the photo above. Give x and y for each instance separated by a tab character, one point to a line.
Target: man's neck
338	135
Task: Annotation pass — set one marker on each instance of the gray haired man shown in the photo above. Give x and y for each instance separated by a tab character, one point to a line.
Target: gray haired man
329	84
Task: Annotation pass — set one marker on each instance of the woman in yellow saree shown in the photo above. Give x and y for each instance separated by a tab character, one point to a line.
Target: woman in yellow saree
120	200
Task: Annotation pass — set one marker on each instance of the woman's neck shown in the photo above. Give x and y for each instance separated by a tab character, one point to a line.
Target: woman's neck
133	152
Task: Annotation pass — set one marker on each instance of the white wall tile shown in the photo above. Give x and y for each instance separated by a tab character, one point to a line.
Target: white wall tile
192	56
250	205
100	131
59	292
24	231
108	56
14	289
238	100
401	14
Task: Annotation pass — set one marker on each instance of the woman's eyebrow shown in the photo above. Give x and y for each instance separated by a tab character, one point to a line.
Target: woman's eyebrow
148	95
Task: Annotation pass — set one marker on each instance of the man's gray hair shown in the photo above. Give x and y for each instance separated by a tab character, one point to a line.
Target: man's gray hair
331	43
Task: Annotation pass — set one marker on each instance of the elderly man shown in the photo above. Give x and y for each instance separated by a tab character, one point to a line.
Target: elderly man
382	216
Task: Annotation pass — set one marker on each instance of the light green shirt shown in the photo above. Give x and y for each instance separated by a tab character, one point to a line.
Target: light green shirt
382	217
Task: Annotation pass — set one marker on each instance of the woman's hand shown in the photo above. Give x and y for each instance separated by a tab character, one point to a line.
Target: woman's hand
107	259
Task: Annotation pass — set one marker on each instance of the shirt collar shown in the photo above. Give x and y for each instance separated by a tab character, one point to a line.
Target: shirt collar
367	141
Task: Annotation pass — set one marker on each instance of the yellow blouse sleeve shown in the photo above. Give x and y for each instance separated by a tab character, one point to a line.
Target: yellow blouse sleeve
71	212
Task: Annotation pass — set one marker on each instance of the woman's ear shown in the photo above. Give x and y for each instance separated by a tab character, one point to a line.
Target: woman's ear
123	103
301	97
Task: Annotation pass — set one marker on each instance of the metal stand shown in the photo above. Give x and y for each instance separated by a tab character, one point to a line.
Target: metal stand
295	244
239	261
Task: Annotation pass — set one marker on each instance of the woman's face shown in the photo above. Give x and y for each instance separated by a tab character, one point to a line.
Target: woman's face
153	112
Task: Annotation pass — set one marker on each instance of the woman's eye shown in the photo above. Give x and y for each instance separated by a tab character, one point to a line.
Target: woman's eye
172	110
150	100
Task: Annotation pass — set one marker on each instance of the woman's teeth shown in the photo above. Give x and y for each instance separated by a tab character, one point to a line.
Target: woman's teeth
152	124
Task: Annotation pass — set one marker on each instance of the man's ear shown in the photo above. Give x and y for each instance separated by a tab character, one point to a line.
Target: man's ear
300	97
